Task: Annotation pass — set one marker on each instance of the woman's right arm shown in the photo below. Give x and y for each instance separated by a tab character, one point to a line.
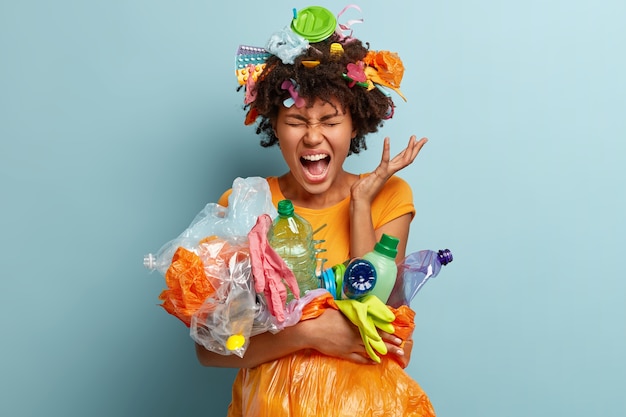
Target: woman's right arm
262	348
330	333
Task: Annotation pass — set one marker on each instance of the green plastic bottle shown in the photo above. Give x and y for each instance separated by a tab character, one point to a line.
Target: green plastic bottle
291	236
383	257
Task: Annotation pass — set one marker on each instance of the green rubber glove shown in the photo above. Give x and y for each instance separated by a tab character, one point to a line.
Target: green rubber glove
369	314
380	314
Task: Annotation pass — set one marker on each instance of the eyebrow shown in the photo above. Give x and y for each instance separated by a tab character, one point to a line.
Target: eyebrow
322	119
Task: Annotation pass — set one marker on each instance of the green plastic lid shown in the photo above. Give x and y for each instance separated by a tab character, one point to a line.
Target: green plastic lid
387	246
314	23
285	208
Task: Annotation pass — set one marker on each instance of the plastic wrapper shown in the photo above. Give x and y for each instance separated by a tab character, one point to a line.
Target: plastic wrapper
308	383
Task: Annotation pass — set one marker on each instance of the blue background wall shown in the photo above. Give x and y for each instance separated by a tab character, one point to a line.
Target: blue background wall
119	121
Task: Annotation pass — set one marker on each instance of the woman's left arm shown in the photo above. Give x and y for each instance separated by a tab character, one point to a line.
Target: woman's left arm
363	236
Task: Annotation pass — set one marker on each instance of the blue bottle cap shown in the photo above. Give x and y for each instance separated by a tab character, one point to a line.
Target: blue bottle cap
328	281
359	278
445	256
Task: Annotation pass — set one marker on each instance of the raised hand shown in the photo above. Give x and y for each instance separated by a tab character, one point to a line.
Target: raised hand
366	189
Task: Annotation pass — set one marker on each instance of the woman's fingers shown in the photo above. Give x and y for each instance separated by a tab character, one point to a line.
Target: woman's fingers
402	159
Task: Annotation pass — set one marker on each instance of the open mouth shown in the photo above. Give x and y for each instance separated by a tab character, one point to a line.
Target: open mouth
315	165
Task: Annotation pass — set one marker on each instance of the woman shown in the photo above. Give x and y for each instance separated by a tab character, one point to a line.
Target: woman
318	104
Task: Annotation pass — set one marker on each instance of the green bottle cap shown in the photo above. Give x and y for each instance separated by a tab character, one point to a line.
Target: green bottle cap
387	246
314	23
285	208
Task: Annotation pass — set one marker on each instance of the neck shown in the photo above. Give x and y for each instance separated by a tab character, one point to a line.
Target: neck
309	198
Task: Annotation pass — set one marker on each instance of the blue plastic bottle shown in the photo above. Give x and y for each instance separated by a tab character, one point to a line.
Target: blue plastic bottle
291	236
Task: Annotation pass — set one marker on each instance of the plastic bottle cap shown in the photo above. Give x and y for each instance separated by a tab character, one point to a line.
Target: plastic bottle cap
339	270
285	208
314	23
387	246
149	261
359	278
328	281
445	256
235	342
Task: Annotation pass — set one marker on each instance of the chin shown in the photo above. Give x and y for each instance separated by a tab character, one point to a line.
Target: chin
316	188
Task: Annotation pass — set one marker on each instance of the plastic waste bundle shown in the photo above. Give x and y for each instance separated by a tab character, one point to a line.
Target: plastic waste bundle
208	273
353	285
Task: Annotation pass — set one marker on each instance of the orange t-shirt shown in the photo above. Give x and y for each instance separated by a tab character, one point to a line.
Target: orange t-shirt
309	383
393	201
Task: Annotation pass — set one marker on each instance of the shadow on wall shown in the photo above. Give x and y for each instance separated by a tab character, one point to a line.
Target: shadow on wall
176	384
243	157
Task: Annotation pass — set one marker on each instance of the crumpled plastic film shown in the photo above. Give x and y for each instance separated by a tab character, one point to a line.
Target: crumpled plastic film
308	383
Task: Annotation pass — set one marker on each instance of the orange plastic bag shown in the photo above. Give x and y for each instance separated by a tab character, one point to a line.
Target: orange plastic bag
308	383
187	284
194	277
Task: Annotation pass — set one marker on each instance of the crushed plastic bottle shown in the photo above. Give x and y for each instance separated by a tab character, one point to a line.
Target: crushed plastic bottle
414	271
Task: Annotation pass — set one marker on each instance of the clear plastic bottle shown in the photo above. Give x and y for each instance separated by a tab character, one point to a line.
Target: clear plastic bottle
291	236
414	271
383	257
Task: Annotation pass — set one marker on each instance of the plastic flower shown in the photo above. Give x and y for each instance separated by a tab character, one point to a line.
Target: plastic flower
287	45
292	87
355	73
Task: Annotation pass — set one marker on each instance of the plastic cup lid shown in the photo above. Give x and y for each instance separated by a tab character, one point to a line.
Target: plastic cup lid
314	23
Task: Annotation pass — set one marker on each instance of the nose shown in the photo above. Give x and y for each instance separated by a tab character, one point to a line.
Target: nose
314	134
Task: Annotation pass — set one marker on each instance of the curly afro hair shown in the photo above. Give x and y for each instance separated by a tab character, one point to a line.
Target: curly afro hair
324	82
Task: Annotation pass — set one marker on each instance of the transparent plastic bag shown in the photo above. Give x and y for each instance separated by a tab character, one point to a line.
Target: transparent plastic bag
249	199
233	313
208	273
224	321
